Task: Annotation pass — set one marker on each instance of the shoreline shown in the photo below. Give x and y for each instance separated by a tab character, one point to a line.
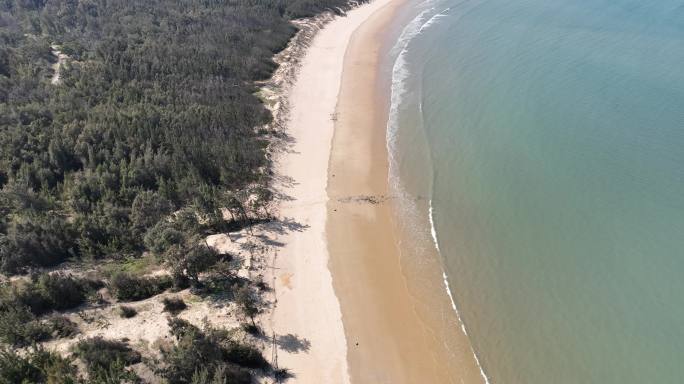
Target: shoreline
342	295
398	311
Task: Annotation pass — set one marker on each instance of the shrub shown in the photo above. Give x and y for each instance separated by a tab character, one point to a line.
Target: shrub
176	258
252	329
12	259
180	279
41	241
62	291
22	302
19	327
31	297
36	366
247	301
181	328
162	237
188	262
244	355
61	326
127	312
282	374
101	354
115	374
207	356
49	292
17	369
222	373
192	353
174	304
127	287
149	208
199	259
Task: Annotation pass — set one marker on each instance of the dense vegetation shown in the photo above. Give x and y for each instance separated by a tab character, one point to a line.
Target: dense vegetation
197	357
101	355
23	303
208	356
151	131
155	112
36	366
127	287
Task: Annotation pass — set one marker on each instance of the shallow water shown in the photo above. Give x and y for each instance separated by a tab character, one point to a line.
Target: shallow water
549	137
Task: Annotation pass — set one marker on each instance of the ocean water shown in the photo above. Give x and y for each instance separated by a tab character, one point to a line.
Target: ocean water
545	141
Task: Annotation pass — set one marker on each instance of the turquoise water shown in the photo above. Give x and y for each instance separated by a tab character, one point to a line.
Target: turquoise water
549	137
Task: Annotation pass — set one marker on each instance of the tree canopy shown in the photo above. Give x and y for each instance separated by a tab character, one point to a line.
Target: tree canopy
154	112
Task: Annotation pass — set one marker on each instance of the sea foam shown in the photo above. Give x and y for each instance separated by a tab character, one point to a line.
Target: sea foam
399	88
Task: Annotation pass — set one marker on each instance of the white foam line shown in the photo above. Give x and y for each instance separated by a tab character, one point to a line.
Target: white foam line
445	279
433	232
433	20
400	74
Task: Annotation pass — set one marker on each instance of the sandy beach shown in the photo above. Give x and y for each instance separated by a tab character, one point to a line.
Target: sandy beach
339	286
307	306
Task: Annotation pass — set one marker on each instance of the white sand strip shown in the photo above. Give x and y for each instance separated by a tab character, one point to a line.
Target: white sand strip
307	306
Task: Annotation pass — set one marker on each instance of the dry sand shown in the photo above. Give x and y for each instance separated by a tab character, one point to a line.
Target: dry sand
307	306
57	66
339	219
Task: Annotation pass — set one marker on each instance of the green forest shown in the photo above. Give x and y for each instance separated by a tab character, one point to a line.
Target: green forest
149	138
154	113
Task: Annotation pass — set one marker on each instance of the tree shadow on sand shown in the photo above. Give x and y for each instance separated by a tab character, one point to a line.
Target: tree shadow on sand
285	225
293	344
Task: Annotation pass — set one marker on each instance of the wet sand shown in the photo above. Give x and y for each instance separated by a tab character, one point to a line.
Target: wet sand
352	311
398	321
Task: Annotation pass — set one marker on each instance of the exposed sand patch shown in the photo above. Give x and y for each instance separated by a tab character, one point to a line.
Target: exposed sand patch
57	67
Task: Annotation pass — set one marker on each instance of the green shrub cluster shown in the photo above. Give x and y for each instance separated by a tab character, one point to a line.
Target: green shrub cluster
203	356
41	366
174	304
154	114
247	301
36	366
101	355
32	241
23	302
128	287
48	292
156	111
19	327
60	326
150	132
308	8
127	312
177	244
